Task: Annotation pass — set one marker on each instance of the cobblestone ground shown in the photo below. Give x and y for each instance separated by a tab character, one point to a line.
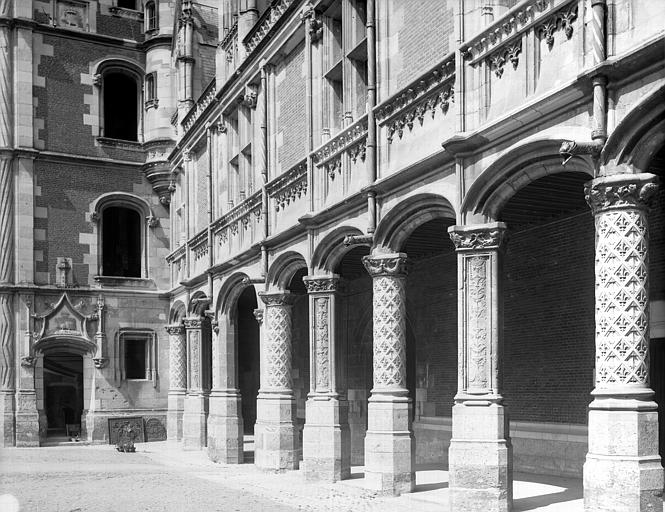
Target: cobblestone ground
97	478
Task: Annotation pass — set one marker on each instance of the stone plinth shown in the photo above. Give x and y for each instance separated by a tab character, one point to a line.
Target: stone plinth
225	427
27	419
7	426
194	421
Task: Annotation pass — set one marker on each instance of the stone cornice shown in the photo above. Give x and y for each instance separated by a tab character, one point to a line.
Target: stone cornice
321	284
479	237
621	191
393	265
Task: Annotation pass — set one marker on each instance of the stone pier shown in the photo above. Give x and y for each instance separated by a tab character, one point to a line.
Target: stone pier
195	414
177	380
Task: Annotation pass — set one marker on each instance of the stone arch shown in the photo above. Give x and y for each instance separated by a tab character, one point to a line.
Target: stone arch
331	249
178	312
229	293
283	268
395	228
639	136
520	165
198	303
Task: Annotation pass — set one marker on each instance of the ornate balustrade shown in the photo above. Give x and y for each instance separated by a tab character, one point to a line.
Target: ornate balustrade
266	23
352	140
198	245
239	219
176	261
429	94
229	44
289	186
200	106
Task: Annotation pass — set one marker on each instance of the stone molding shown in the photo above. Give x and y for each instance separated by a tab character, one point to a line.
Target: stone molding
621	191
479	237
321	284
393	265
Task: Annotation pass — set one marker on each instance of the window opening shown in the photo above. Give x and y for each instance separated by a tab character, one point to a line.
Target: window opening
120	101
150	16
121	244
135	358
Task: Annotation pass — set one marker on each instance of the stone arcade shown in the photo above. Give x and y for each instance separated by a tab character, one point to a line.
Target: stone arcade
353	232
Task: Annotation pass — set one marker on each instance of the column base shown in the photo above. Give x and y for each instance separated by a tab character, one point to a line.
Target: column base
194	422
7	419
27	419
326	440
275	435
480	459
225	428
389	446
176	409
623	469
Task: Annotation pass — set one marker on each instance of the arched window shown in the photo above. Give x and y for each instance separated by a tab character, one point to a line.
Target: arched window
121	242
150	16
121	118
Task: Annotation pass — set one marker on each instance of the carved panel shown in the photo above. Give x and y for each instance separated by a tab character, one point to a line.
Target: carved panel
477	323
389	332
155	430
195	358
322	341
478	238
136	424
72	14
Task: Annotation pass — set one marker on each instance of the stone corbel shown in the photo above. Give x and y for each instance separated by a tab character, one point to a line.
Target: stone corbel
28	361
152	221
249	97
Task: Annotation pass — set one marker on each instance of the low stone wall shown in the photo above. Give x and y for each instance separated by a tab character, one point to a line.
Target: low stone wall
540	448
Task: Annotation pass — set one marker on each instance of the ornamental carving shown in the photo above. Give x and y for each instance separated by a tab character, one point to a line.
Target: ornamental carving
175	329
478	239
322	341
250	96
389	295
6	342
385	266
622	297
321	284
635	191
177	356
509	53
258	314
476	323
192	323
563	20
195	358
6	218
278	343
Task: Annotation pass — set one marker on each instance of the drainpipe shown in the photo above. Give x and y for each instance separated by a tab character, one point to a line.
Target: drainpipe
263	122
212	133
371	122
571	148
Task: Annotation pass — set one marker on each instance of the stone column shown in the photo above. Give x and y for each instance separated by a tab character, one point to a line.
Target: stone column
480	454
177	381
275	434
389	442
195	414
623	469
326	435
225	423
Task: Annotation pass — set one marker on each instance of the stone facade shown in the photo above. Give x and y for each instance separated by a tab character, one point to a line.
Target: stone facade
362	235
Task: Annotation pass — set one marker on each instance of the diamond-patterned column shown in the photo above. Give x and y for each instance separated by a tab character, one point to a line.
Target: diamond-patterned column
389	442
480	454
177	380
275	434
196	400
623	469
326	436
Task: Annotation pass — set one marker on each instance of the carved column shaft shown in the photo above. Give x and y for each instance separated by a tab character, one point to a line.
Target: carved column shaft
194	348
277	355
389	316
177	357
7	361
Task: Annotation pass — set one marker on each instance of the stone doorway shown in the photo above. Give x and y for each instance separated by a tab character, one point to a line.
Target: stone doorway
63	393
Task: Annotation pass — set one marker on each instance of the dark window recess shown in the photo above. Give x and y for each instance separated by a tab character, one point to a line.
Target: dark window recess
120	107
127	4
150	87
121	244
135	363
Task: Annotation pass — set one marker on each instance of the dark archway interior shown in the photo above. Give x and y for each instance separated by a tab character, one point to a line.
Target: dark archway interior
548	301
354	338
63	390
127	4
249	376
431	307
657	293
120	106
121	244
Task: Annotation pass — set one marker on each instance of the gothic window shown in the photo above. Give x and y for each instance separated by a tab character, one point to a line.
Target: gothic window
150	16
121	242
137	349
120	96
150	90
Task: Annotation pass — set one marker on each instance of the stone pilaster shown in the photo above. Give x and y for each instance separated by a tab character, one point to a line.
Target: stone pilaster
623	469
27	415
195	414
389	442
275	434
326	436
480	454
225	423
177	381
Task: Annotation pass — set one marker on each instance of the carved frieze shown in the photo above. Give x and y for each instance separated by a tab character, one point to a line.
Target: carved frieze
193	323
348	140
265	24
321	284
621	191
478	238
394	265
509	53
561	20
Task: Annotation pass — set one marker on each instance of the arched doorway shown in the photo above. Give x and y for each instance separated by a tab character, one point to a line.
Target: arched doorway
249	372
63	393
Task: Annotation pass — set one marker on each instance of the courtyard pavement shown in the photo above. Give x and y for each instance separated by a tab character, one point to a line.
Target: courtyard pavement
161	477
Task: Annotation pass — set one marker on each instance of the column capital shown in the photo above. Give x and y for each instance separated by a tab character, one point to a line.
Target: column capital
175	329
277	298
391	265
621	191
193	323
321	284
478	237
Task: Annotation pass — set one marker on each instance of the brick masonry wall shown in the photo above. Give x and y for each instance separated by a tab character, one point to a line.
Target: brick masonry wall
291	136
549	321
